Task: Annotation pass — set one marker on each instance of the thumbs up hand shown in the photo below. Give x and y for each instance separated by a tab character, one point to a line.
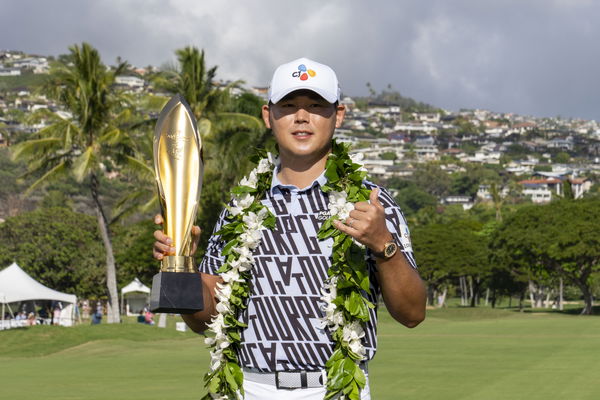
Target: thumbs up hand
366	223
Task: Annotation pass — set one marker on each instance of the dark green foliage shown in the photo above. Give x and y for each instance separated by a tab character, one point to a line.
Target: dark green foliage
561	238
411	199
57	247
133	252
446	251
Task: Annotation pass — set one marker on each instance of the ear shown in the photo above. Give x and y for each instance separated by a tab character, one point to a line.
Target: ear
340	112
266	113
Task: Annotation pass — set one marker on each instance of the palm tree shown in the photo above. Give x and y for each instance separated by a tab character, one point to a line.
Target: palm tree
227	134
85	140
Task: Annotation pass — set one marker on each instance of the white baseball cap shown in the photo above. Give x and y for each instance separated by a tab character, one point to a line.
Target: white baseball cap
304	74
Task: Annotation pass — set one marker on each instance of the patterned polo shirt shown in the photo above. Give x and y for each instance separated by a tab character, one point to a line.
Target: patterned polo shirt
283	315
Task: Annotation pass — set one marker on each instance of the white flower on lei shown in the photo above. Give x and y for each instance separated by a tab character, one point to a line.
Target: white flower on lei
357	158
223	292
333	318
245	254
251	238
254	221
273	160
251	180
352	334
338	204
240	203
233	275
241	265
265	165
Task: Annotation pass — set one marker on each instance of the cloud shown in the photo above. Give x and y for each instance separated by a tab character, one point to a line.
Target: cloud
535	57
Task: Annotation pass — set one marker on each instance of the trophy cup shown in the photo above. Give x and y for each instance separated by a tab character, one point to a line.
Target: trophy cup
178	167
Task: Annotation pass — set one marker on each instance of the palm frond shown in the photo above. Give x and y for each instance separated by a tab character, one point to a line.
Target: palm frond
52	174
34	147
140	168
84	164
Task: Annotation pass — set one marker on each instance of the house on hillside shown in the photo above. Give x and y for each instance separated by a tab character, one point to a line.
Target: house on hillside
10	71
464	201
541	190
131	83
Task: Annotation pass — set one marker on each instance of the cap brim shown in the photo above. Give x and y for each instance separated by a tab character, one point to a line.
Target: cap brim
330	97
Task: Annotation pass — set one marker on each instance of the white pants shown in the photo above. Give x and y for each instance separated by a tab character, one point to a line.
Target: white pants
261	391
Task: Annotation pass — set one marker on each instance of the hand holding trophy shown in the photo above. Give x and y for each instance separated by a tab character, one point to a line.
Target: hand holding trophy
178	167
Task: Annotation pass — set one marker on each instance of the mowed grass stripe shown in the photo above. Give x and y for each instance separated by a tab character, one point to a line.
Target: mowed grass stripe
521	356
455	354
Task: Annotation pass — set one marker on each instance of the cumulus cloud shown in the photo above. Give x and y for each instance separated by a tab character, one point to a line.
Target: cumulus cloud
535	57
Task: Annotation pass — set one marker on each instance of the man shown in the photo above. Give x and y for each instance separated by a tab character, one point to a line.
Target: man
284	332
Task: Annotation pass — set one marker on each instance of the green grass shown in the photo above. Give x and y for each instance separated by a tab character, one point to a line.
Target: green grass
457	353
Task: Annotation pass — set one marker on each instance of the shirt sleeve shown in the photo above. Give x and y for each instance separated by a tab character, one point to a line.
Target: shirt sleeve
213	259
396	223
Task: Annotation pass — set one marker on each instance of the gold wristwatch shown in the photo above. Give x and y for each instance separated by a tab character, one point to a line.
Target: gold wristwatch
389	249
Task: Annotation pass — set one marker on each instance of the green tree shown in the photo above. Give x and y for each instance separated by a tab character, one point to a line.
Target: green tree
431	178
132	252
57	247
561	238
562	158
86	144
388	155
411	199
449	251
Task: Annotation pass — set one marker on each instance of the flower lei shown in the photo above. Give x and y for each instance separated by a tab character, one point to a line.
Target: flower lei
345	306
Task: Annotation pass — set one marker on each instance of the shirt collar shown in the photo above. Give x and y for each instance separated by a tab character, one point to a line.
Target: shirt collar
276	183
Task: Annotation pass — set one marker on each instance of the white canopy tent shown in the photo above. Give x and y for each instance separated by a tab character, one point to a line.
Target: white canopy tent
16	286
134	297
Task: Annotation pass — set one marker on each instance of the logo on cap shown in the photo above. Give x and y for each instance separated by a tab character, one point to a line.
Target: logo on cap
303	73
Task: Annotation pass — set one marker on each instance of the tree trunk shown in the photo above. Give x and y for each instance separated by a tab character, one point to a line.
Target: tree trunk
464	296
475	284
521	298
442	298
532	293
487	296
431	293
112	315
587	297
471	295
560	295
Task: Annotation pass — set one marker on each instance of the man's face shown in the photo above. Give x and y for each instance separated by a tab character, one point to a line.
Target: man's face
303	124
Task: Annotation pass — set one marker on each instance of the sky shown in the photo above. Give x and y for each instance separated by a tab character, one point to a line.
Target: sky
529	57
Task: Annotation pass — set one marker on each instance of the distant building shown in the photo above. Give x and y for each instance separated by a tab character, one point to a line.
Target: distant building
130	81
10	71
542	190
464	201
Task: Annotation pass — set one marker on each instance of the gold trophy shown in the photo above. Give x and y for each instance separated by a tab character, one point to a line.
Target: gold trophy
178	167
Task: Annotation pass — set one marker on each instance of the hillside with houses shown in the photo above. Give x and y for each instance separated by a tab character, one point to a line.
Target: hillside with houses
523	158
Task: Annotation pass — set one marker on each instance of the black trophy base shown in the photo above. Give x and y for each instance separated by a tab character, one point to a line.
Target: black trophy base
176	293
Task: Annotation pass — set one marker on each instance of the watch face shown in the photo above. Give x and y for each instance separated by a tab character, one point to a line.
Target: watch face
390	250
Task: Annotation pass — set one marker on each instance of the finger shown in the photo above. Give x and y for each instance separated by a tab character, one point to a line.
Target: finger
163	248
374	197
157	255
161	237
158	219
196	231
362	206
360	214
343	227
